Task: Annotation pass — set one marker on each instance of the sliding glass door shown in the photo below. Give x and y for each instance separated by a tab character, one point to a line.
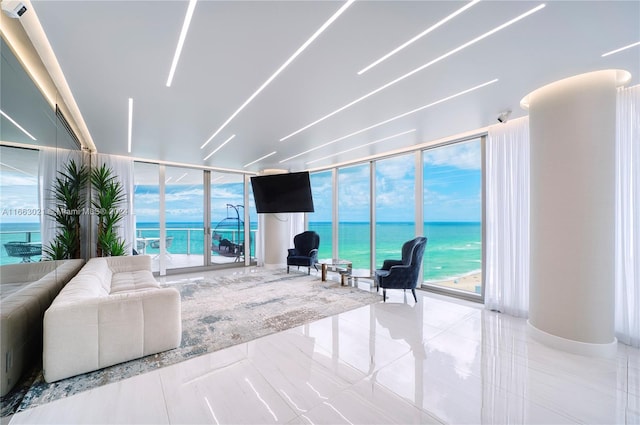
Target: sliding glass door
228	243
184	217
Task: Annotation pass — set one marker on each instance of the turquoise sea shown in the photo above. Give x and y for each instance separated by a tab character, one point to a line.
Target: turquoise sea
453	248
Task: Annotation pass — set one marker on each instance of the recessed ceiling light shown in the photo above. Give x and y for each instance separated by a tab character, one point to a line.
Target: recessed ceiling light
260	159
394	118
130	124
362	146
282	67
621	49
420	68
17	125
219	147
183	36
419	36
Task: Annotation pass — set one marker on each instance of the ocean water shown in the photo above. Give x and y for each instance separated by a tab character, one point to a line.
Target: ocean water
453	249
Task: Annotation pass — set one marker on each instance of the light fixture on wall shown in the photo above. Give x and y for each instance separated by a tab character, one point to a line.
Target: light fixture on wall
504	116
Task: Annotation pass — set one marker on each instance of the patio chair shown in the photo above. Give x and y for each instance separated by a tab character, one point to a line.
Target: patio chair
155	244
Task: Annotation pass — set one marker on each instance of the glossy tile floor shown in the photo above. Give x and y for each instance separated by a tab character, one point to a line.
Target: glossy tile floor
437	361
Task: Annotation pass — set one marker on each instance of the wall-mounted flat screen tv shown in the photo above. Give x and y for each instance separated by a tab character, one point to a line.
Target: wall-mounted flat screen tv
282	193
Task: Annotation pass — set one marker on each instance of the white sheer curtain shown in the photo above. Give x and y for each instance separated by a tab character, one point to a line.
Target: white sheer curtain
627	284
507	218
51	161
123	170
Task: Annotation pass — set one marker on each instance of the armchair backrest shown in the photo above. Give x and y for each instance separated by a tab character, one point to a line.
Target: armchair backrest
407	251
306	241
419	245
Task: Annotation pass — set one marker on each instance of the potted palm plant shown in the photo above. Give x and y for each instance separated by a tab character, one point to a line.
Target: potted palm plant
108	196
69	196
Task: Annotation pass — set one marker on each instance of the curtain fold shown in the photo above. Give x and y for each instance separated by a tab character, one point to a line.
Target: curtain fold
627	279
507	218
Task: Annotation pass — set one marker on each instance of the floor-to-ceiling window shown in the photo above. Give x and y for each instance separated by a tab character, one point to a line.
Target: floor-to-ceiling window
394	206
452	205
20	212
321	219
354	220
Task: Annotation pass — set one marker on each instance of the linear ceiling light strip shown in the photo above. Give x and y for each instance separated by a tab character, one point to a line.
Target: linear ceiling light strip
260	159
621	49
16	169
17	125
426	65
282	67
419	36
362	146
393	119
219	147
183	36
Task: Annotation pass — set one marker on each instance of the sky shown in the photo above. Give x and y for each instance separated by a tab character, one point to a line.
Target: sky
452	192
452	187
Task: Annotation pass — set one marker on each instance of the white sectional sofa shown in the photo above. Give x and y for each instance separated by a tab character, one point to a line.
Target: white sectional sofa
26	291
112	311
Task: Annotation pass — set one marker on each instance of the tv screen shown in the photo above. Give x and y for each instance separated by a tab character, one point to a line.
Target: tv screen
282	193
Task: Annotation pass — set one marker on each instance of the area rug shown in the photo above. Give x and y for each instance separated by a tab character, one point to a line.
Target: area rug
220	312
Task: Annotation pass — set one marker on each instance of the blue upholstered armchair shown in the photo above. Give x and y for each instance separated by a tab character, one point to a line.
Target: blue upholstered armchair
402	274
305	251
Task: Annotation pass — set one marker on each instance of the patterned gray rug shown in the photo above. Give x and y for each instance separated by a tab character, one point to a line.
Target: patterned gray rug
219	313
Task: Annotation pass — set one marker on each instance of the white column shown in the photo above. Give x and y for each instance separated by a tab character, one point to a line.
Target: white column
276	233
276	239
572	132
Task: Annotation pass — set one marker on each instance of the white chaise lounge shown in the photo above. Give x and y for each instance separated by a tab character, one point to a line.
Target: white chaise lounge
112	311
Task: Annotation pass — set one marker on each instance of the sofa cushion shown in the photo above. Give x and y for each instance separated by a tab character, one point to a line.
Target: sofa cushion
133	281
99	270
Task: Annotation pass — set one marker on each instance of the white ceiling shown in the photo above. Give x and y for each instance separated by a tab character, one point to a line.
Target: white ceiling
110	51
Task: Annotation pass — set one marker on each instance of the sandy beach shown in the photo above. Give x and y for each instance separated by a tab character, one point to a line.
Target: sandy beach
464	283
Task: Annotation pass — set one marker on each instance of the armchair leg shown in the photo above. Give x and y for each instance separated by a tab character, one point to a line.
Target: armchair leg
309	270
287	269
413	291
384	295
